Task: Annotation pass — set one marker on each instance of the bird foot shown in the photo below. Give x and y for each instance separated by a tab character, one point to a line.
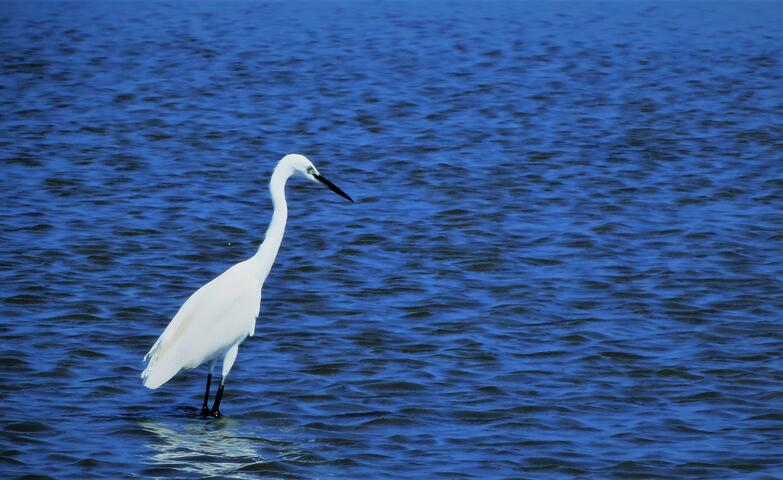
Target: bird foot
205	412
216	413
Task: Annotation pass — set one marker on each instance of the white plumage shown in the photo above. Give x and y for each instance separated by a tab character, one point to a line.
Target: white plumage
217	318
196	334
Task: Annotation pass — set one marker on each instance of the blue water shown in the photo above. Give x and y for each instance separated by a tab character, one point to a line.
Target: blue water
564	259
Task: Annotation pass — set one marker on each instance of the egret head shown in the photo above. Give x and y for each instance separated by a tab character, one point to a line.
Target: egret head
304	167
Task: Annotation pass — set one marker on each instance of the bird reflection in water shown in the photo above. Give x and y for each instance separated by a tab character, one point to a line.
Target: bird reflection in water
210	449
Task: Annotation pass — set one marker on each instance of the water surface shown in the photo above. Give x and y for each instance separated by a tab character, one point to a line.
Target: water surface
564	259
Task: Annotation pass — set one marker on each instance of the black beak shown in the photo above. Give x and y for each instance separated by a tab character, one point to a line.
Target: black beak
333	187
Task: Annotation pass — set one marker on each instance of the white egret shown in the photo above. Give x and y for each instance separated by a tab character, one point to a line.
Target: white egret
219	316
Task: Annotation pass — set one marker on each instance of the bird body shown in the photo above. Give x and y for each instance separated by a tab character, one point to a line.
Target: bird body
220	315
217	317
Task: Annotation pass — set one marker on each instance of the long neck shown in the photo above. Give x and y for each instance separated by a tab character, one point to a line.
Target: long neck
265	256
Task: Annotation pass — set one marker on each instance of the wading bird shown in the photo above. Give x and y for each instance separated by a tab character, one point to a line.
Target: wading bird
218	317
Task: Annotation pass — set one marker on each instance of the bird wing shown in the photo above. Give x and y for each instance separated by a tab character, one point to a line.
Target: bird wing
214	317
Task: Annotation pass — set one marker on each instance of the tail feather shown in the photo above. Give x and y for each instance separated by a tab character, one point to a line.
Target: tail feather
164	357
161	367
158	372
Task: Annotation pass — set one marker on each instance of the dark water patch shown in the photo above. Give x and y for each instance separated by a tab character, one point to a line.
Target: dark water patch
10	461
386	422
12	362
25	299
27	427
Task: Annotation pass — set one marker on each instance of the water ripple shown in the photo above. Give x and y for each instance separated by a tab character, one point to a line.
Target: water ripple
564	258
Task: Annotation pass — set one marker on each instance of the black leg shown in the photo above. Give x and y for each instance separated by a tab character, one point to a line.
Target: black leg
216	407
205	408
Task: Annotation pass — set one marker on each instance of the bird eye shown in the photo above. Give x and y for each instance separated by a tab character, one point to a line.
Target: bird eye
311	170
